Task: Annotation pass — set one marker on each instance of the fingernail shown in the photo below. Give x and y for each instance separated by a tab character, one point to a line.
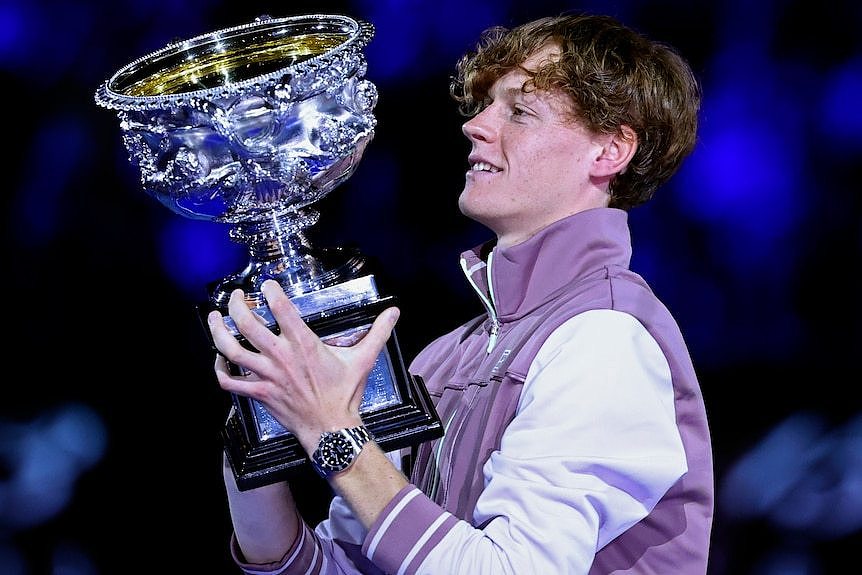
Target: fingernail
268	286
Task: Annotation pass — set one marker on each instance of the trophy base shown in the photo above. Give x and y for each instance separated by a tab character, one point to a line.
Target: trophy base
396	408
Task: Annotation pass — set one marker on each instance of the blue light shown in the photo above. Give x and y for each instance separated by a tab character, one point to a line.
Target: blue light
44	459
195	253
12	24
840	109
40	207
418	38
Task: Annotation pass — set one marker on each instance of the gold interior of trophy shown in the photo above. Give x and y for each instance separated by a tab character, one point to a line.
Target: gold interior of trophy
218	63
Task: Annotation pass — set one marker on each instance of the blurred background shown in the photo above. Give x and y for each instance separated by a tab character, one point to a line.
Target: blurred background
110	454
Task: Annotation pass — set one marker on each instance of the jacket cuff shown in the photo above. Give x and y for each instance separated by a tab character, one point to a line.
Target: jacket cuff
410	526
304	556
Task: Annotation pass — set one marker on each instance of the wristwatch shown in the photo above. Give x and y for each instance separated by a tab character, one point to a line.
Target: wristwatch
337	450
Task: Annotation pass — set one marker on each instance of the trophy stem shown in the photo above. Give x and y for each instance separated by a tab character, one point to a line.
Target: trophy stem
279	250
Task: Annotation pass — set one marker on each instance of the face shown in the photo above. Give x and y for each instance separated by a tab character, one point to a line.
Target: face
530	160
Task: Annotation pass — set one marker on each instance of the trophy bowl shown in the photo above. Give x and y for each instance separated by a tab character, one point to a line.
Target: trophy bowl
249	126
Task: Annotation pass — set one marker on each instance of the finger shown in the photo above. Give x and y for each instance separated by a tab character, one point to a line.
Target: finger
233	370
291	324
242	385
247	322
380	332
221	366
227	344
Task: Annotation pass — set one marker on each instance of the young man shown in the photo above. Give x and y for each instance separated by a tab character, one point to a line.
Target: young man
576	437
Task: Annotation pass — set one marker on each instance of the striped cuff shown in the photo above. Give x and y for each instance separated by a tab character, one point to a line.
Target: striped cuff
304	556
410	526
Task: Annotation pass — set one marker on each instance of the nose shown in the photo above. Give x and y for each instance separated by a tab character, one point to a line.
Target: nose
478	127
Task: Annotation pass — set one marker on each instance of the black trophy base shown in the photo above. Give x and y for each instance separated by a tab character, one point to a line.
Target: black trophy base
397	409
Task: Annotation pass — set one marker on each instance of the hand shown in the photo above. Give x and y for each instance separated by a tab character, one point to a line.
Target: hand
306	384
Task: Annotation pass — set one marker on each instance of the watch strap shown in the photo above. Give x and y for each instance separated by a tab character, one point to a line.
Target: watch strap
359	434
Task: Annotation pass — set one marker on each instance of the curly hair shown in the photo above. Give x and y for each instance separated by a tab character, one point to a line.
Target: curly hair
615	76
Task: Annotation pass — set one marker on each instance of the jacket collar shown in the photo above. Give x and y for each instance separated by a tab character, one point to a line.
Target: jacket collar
527	275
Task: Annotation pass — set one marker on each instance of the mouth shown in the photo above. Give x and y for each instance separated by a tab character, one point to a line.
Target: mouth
482	166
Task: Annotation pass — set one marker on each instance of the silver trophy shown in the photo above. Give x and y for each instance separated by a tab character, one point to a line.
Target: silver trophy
249	126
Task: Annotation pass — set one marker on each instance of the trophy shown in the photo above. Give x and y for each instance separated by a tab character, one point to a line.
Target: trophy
249	126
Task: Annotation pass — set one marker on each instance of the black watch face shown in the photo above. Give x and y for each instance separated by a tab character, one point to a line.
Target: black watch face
336	452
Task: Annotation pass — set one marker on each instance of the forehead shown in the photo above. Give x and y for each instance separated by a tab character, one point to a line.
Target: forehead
514	80
548	53
512	84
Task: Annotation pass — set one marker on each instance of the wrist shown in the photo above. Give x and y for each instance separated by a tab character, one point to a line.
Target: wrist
309	437
337	450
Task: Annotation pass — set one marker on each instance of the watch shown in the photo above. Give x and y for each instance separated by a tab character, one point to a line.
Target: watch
337	450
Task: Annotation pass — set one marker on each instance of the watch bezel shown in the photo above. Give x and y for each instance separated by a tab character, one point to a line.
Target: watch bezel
337	450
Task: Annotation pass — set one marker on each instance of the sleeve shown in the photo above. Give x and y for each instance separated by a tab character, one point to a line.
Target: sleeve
593	447
334	547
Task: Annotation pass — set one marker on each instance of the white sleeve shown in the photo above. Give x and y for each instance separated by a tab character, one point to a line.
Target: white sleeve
592	448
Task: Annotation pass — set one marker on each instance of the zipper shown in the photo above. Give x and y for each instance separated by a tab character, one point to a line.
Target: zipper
486	301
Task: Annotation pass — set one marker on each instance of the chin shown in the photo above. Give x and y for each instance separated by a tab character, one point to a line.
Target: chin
473	209
467	209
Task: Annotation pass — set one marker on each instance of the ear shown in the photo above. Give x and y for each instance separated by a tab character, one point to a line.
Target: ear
616	152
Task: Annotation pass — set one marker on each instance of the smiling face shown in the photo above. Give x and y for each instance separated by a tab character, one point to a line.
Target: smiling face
531	163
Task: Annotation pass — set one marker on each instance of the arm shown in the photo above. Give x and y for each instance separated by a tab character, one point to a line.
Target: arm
369	484
310	387
265	520
592	448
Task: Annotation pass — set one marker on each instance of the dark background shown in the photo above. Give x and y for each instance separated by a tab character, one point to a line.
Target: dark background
109	417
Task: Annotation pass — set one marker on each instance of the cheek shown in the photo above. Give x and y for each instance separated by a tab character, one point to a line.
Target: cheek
530	161
545	165
560	162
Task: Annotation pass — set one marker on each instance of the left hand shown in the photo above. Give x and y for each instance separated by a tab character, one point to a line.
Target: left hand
307	385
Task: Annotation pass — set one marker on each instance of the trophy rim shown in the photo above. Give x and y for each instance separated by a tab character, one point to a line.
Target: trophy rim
359	36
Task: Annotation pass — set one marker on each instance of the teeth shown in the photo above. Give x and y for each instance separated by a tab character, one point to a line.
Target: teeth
484	167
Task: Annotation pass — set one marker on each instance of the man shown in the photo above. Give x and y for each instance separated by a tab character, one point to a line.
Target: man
576	436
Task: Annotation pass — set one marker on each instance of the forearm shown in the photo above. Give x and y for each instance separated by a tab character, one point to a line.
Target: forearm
265	520
369	484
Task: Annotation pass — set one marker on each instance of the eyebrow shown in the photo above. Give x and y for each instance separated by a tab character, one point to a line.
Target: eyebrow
514	91
517	92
